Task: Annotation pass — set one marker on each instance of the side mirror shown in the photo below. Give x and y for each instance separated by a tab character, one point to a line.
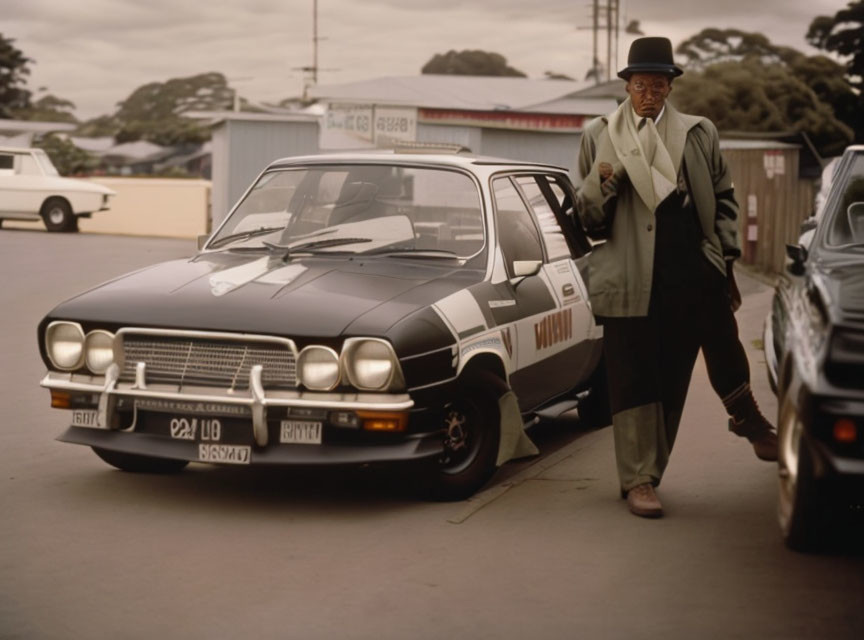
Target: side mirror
202	240
524	268
798	255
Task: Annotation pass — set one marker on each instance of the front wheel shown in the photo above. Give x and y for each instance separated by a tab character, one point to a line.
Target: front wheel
139	464
471	432
802	509
58	216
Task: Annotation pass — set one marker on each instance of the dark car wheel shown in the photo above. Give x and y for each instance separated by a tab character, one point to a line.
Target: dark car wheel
58	216
139	464
802	509
471	429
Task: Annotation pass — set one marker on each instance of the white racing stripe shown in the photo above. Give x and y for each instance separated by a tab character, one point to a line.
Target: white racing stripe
461	312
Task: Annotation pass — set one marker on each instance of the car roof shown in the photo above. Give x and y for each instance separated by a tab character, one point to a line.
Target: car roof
462	160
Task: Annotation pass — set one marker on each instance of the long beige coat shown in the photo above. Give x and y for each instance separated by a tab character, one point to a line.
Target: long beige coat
621	269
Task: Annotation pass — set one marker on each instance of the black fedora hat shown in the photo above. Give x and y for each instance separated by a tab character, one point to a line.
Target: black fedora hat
650	55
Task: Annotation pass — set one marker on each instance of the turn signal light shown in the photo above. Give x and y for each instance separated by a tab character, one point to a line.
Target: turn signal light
383	421
845	431
61	400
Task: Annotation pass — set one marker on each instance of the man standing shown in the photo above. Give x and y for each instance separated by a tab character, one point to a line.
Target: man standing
656	188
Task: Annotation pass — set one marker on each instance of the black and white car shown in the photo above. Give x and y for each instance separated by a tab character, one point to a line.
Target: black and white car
352	308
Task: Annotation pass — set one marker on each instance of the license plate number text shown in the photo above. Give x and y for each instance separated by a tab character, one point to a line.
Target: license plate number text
224	453
300	432
187	429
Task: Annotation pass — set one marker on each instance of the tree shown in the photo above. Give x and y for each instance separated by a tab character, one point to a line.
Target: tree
14	67
843	34
69	159
48	108
822	76
470	63
711	46
754	96
154	111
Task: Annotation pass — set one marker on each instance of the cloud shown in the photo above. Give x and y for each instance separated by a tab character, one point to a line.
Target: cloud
96	52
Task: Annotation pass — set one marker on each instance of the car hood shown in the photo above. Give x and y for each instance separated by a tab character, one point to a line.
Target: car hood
843	287
314	297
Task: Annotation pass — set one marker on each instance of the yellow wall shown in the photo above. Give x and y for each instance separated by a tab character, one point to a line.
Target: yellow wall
153	207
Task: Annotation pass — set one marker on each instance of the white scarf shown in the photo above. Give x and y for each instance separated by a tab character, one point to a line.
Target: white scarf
657	177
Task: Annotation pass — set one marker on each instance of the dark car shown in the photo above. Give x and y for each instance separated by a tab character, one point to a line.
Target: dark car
814	347
351	309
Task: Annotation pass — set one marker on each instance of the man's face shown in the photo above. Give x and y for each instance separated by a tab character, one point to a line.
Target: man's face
648	93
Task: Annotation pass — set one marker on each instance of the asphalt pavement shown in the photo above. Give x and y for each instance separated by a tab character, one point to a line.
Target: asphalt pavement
548	550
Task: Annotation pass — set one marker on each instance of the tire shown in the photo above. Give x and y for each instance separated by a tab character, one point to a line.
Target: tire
471	428
803	511
139	464
58	216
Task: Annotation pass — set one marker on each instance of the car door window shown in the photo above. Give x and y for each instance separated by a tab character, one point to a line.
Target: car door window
27	166
7	164
517	234
553	236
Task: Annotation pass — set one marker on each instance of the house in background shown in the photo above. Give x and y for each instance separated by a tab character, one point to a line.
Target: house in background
518	118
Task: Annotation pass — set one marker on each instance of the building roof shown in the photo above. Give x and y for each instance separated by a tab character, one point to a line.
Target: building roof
11	127
472	93
773	145
218	117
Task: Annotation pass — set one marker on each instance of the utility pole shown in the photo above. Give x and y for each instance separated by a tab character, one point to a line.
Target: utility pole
612	23
314	41
595	64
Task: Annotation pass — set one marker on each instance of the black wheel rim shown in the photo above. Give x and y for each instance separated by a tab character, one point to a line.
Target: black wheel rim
463	437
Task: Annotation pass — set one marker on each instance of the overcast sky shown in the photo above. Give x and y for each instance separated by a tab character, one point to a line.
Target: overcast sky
96	52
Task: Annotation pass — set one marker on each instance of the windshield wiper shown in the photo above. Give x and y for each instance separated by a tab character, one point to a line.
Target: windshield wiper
243	235
417	253
285	251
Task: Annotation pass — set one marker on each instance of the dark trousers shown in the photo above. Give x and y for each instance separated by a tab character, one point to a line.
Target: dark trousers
650	359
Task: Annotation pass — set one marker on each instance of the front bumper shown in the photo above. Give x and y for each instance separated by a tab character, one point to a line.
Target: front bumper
122	411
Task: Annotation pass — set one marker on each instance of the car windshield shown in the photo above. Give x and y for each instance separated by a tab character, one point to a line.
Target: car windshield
847	226
383	208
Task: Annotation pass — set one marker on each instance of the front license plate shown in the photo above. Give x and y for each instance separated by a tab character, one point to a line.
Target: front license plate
85	418
224	453
300	432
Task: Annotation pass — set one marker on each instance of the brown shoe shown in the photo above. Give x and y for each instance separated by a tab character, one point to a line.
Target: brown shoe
748	422
642	501
761	435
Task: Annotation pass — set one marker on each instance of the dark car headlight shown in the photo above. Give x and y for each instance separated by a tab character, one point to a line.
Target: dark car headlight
69	349
318	368
99	351
371	364
64	344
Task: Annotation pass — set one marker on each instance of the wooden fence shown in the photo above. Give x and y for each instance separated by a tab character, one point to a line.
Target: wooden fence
773	200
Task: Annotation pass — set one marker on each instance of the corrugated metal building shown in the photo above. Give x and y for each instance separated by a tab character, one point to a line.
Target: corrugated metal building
772	195
518	118
245	143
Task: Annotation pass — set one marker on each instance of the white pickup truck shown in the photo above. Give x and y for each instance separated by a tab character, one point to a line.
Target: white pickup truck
31	188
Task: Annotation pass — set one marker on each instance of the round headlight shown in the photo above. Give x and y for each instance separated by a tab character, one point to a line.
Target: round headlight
318	368
99	351
64	343
370	364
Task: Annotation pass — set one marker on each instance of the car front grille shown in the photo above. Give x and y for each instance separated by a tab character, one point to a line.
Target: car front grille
198	359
